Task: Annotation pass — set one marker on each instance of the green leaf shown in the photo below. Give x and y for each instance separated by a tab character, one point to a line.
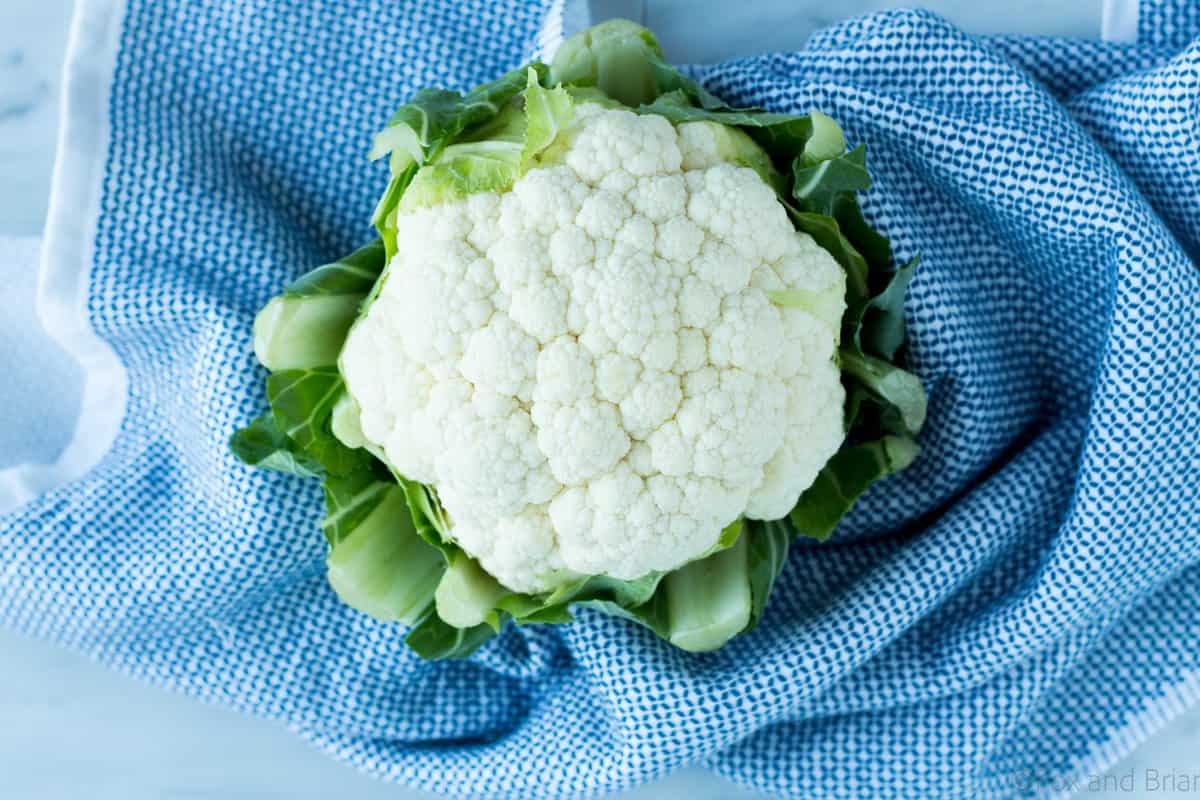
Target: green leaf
307	325
827	140
679	108
585	591
464	169
349	499
354	274
491	157
427	515
435	117
379	565
868	416
401	141
590	94
529	610
729	535
891	385
345	423
624	61
467	595
873	246
263	444
709	601
818	186
384	216
653	614
668	79
303	402
426	125
434	640
294	332
883	321
625	592
767	548
617	56
844	479
547	112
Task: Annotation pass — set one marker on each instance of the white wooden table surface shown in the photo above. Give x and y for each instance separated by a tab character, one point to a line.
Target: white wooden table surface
71	729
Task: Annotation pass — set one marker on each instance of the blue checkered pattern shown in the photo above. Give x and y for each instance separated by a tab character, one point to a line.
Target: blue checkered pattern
1172	23
1017	608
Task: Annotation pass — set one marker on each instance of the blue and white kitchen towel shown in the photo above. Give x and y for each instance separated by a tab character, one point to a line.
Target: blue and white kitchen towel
1020	607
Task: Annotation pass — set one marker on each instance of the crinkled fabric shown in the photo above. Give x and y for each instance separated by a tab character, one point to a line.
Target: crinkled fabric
1017	608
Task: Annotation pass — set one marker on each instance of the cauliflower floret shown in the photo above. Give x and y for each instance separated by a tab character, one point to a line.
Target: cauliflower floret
500	357
747	333
652	402
488	460
580	440
588	367
522	546
814	425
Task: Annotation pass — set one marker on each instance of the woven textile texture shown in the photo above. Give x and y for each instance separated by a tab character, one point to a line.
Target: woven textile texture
1017	608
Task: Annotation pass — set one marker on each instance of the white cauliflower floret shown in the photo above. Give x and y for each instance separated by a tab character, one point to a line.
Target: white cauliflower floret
588	367
747	333
489	460
510	545
652	401
581	440
501	357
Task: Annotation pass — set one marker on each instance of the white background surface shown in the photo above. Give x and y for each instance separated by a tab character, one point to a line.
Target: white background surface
70	729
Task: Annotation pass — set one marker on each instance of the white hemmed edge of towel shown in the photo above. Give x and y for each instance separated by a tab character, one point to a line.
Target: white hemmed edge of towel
551	33
1119	21
68	249
1124	741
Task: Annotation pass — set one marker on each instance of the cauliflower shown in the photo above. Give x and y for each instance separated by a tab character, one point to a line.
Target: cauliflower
588	367
617	345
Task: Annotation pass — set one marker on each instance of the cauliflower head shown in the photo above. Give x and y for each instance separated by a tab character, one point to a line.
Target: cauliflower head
590	360
589	367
